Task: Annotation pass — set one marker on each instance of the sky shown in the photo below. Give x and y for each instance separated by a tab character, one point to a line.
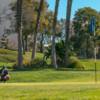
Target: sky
95	4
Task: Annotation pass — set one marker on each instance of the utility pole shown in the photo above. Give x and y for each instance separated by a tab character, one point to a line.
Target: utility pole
95	58
92	30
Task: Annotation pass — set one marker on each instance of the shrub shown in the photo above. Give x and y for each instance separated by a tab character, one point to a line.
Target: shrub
75	63
28	65
38	63
26	60
60	52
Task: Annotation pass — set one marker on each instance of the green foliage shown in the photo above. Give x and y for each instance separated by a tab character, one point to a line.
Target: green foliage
36	64
83	39
75	63
60	52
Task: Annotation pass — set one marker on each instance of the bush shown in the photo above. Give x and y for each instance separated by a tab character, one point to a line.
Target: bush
75	63
60	52
36	64
36	61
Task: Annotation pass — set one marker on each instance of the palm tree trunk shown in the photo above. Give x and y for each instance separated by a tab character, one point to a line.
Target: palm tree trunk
41	43
67	29
36	30
23	44
19	31
53	59
26	43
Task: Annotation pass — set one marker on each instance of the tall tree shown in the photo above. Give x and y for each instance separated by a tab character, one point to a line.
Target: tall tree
28	18
36	29
53	58
67	29
83	43
19	31
43	26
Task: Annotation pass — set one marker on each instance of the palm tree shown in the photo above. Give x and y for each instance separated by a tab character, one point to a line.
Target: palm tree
53	58
19	31
36	29
67	29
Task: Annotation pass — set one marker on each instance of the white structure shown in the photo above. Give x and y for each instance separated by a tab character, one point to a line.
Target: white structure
12	41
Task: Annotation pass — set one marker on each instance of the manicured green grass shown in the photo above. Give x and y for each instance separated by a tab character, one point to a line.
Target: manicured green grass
51	75
7	56
90	64
6	51
47	91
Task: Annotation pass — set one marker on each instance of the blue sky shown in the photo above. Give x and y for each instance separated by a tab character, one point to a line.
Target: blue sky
95	4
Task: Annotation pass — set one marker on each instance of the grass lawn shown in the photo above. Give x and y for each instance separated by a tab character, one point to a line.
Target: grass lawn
51	75
8	57
59	91
89	64
48	83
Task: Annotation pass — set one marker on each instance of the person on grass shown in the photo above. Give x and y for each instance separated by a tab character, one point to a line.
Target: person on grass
4	74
